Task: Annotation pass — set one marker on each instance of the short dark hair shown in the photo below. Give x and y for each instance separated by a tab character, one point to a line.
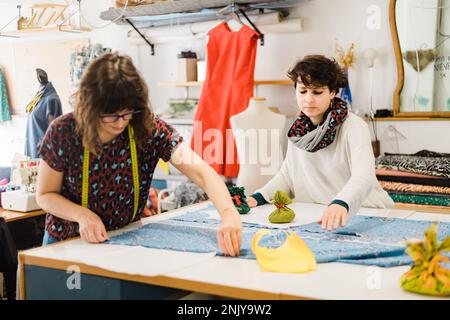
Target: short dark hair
319	71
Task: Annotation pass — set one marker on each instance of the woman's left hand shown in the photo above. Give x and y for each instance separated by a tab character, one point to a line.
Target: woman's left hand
335	216
229	235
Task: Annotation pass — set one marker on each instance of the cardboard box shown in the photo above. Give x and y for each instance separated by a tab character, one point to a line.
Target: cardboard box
187	69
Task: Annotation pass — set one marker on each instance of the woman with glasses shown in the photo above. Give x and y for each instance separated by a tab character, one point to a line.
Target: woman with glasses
98	161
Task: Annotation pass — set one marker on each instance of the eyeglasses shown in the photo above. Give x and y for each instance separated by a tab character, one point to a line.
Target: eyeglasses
115	117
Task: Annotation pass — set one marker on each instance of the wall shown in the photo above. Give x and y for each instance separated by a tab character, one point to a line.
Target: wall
324	22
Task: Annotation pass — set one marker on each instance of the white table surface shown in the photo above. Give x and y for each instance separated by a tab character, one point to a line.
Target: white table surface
329	281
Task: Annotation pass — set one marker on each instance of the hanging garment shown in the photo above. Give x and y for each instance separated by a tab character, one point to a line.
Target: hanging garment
46	104
227	90
5	112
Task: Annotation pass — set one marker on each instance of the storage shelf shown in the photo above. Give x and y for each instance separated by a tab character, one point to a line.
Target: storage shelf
420	208
33	31
180	6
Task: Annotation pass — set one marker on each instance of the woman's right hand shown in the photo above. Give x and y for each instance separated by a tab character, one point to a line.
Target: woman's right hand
91	227
252	202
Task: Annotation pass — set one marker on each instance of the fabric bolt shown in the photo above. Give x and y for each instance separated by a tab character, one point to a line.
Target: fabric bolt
422	153
226	91
425	194
365	240
396	173
111	189
312	138
397	186
435	181
420	199
5	112
434	166
344	171
49	105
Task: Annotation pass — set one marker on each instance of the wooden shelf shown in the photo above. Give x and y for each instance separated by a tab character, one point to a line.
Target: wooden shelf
199	84
274	82
420	208
34	31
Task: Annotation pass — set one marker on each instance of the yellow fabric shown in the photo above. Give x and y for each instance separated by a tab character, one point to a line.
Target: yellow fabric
293	256
164	165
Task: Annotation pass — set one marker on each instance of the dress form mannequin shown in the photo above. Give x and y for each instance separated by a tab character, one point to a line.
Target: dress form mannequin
42	110
42	77
259	135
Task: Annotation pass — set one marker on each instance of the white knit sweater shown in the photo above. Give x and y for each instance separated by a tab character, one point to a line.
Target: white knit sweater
345	170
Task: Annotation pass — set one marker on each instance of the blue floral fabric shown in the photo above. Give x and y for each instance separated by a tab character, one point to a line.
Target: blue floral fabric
365	240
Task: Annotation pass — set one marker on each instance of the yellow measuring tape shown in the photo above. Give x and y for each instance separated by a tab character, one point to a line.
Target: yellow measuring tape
32	104
134	165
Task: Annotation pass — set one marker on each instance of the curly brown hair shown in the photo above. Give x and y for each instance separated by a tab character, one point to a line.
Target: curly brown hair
111	84
316	71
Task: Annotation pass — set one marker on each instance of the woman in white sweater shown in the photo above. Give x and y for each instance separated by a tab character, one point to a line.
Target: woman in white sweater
329	158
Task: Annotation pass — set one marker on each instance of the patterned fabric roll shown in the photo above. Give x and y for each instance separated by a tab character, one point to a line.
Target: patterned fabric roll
422	153
434	166
398	186
435	181
422	200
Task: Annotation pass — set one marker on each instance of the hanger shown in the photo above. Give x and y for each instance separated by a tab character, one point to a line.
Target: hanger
232	14
235	12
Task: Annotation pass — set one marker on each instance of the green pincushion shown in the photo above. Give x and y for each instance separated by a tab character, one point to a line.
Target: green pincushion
239	199
282	214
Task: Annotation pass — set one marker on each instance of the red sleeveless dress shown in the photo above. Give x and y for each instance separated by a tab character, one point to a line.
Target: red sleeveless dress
227	90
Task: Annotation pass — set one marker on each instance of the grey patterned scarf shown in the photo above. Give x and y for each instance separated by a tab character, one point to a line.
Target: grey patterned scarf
309	138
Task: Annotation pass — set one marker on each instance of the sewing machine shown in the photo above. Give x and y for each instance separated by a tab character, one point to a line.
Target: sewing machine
24	173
